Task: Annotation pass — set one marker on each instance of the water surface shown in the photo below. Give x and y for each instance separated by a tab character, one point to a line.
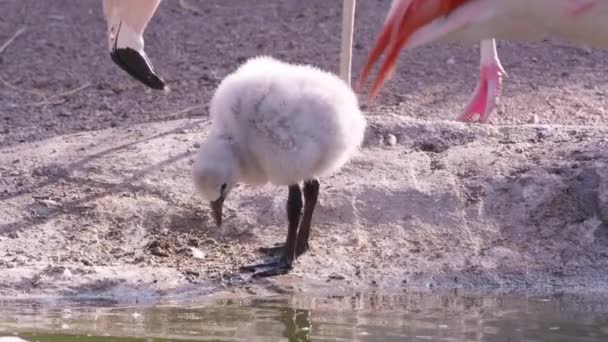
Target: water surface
357	317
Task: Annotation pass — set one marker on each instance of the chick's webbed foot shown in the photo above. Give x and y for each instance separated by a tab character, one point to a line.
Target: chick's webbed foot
279	248
276	267
275	250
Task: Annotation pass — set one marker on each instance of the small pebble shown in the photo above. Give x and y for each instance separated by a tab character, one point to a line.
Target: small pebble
193	273
197	253
336	276
50	203
390	140
66	274
534	119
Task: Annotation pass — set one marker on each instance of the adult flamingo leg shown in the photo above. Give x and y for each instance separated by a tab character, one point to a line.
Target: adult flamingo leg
488	88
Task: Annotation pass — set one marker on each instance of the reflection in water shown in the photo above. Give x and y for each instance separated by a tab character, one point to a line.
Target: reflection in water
297	324
358	317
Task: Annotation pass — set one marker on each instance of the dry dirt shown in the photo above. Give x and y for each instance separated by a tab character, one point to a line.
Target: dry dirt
96	199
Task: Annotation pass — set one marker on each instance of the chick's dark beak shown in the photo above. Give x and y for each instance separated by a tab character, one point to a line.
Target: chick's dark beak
216	207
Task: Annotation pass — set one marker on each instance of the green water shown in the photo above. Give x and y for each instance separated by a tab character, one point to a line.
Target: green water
360	317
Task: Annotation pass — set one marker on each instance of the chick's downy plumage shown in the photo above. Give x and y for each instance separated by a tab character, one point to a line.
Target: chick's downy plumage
280	123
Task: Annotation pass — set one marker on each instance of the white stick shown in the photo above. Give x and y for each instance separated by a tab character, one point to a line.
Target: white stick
11	39
346	50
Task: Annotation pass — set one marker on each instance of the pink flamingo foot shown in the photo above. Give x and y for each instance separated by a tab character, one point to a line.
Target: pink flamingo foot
488	88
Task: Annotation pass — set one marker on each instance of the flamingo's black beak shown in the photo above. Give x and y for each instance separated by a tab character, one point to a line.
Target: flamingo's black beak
138	66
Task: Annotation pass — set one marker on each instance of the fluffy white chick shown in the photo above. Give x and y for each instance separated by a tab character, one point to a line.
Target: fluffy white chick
280	123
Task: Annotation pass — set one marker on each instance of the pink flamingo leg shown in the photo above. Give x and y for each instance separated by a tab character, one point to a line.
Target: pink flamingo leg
488	88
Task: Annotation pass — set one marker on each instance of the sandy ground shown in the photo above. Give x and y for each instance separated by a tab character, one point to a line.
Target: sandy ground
96	199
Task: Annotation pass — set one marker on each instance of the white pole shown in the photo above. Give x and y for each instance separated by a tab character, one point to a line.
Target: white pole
346	50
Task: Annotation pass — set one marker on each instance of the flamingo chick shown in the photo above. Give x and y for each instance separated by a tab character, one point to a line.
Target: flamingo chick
412	23
127	21
279	123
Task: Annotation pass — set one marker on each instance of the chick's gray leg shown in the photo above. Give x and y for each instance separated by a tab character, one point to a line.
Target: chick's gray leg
294	212
311	196
283	264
